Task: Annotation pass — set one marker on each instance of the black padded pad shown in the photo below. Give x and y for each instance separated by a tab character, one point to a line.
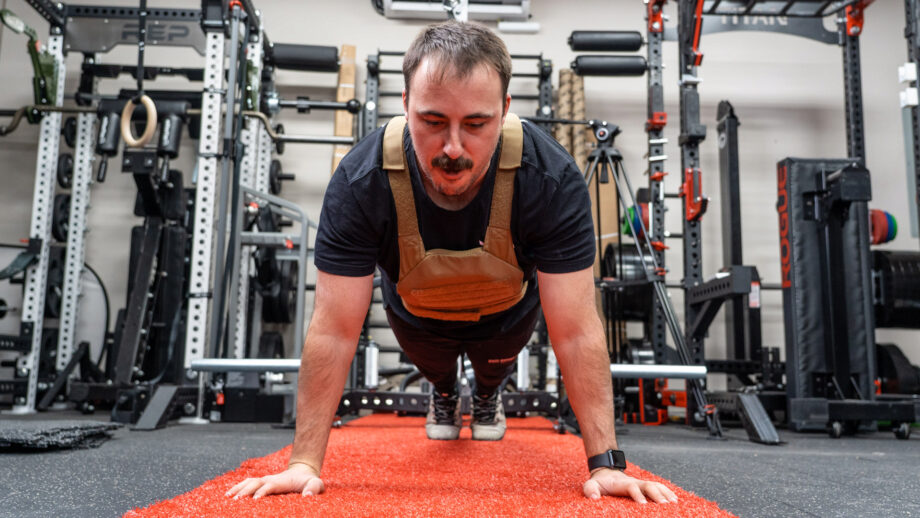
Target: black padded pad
315	58
803	300
40	435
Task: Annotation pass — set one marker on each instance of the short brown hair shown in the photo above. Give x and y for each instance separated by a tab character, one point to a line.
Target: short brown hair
459	47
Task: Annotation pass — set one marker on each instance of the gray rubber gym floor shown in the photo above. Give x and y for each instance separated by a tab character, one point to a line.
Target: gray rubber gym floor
810	475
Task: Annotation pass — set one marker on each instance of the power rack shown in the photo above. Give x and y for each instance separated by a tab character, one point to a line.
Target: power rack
230	118
746	356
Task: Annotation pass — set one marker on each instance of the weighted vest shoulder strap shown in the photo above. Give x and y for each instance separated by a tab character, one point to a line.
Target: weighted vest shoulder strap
394	161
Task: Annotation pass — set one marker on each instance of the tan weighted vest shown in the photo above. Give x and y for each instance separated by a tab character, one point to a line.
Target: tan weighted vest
451	284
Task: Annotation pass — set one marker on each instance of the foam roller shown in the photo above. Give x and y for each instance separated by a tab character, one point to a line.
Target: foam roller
606	41
609	65
308	58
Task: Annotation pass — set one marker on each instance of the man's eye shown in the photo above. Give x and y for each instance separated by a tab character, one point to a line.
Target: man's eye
476	125
433	123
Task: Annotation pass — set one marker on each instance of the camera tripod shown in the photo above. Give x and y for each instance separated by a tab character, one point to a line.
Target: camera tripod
604	160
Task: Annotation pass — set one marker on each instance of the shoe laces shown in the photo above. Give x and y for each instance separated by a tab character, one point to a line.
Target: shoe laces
444	408
484	409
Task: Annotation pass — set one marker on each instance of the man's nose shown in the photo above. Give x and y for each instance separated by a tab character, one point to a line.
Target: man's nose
453	147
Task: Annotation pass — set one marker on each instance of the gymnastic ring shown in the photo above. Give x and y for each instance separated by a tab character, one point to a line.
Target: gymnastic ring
149	129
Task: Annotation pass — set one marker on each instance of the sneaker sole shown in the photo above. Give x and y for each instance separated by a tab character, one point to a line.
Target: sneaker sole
488	433
442	432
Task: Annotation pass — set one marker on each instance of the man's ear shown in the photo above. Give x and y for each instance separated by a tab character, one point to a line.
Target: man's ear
405	99
505	108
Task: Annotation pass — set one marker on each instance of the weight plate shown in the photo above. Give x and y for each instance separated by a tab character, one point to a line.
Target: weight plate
60	219
279	144
274	177
65	170
69	130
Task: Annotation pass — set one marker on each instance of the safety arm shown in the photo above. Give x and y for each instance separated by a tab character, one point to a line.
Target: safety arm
577	336
340	308
42	65
16	25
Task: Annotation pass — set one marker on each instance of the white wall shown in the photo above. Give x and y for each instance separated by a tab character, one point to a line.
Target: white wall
787	92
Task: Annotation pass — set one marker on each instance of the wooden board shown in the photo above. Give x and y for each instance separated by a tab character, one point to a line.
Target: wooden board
344	121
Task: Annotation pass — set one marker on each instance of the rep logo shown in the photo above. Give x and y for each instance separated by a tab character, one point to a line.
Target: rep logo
156	33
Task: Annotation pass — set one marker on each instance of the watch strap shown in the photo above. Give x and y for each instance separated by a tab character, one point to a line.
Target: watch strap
614	459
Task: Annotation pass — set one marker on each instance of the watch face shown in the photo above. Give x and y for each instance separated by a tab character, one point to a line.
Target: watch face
619	459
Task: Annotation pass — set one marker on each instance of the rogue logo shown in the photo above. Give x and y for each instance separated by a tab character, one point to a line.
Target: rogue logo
782	206
159	32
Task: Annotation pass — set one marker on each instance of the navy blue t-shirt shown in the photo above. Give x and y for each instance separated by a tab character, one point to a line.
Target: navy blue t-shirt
551	225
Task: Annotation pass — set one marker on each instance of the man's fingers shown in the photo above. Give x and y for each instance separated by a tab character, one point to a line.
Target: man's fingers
636	493
249	487
266	489
235	489
668	493
618	485
654	492
275	484
314	486
592	488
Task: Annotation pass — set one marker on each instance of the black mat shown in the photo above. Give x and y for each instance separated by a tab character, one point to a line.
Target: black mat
23	436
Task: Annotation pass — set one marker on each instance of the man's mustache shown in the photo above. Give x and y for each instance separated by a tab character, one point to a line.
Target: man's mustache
452	165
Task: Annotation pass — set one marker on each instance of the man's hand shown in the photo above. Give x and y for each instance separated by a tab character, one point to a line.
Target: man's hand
298	478
613	482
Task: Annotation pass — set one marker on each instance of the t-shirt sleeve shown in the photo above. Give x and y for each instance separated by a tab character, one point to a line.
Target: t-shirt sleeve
561	230
346	241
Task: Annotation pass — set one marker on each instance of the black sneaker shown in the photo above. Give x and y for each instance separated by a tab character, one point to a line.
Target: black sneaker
444	419
488	418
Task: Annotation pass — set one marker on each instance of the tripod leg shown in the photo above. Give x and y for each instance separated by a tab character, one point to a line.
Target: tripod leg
712	419
589	171
617	173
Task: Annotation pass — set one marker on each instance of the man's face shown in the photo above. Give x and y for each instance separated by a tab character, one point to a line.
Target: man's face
455	124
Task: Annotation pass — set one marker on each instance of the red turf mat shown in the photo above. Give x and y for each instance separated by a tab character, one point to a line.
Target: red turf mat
383	465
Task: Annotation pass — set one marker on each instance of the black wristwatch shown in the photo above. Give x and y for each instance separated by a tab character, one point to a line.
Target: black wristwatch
613	459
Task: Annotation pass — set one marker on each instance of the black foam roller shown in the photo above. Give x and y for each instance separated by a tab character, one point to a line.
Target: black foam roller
313	58
609	65
606	41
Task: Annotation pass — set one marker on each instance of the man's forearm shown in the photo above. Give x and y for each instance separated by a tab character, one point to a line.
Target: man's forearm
586	372
323	369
